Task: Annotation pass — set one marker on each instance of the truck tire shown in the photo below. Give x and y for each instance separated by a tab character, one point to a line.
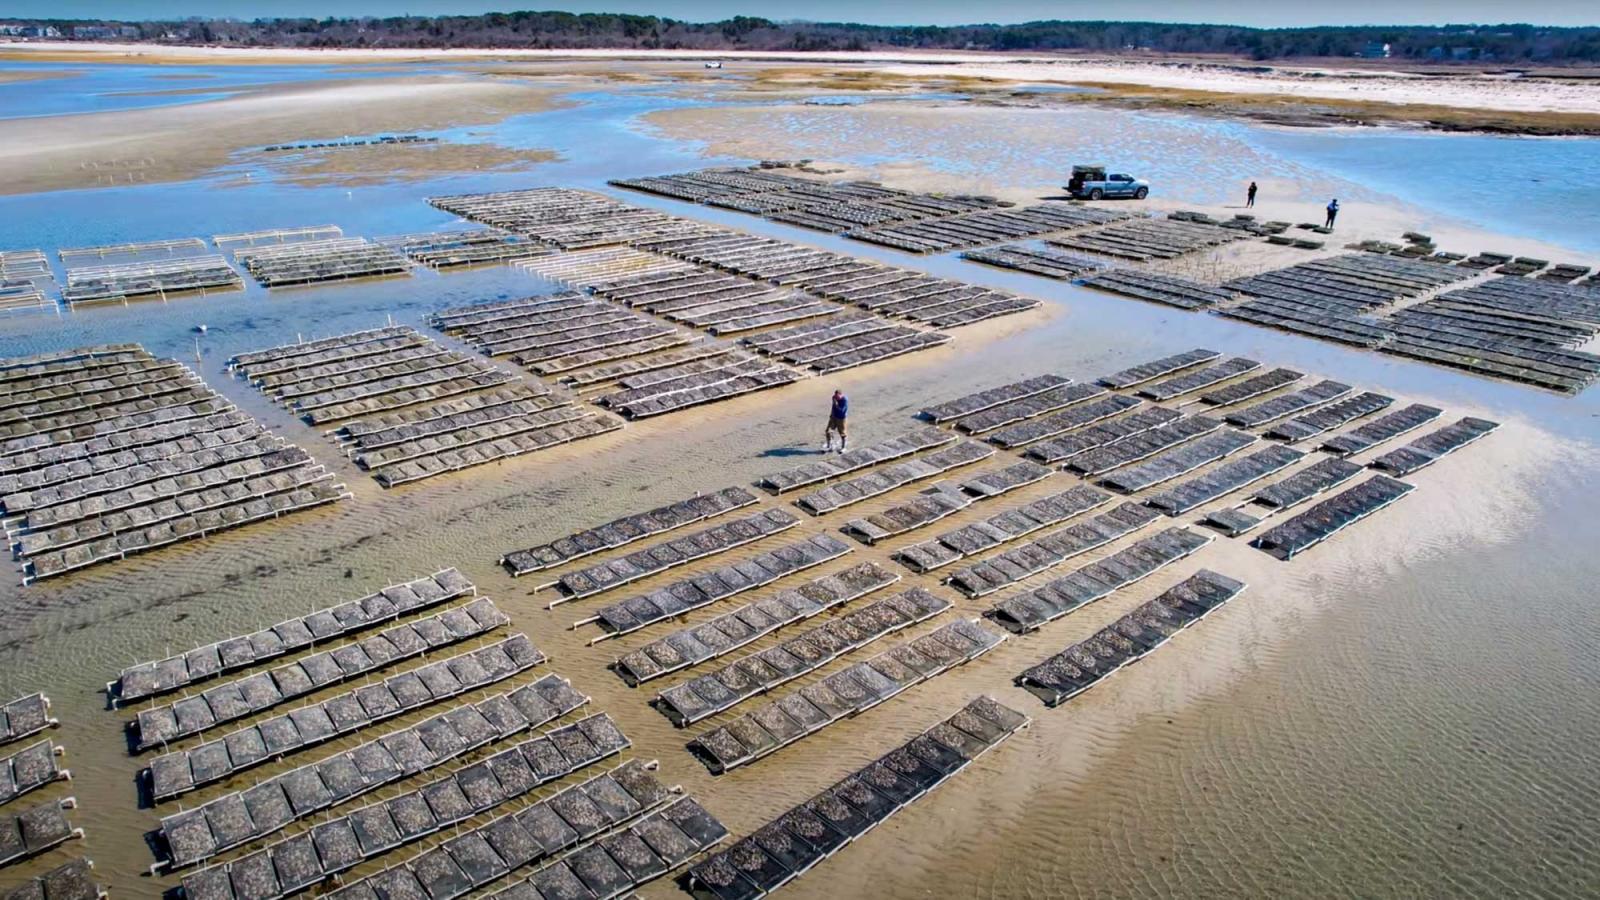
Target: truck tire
1141	193
1097	194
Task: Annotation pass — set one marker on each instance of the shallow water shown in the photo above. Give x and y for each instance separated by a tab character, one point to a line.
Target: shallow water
90	88
604	134
1546	188
1539	188
596	136
1405	711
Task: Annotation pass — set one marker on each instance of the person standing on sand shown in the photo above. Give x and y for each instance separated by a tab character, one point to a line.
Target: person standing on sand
1250	196
1333	213
836	415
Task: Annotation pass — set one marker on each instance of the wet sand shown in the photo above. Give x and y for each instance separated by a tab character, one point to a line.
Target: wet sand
1402	711
1024	155
1095	798
1465	90
1551	101
388	163
1392	83
178	143
13	77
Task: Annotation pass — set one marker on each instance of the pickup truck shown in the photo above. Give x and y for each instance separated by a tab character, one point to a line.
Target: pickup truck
1092	183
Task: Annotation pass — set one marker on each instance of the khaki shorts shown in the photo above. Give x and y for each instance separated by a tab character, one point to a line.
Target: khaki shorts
835	424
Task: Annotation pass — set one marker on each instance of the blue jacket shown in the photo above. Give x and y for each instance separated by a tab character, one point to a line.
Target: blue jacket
841	408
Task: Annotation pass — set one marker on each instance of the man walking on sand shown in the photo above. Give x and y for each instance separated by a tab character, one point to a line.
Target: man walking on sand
836	416
1250	196
1333	212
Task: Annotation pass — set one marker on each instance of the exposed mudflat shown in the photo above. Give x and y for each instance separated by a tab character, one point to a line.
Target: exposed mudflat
1405	710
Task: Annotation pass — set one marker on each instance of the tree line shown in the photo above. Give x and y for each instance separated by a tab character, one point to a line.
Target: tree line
1507	44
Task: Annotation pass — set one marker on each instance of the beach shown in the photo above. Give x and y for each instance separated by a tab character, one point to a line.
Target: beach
181	142
1402	711
138	146
1468	89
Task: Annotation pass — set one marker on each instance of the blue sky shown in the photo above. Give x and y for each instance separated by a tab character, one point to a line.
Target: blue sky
930	12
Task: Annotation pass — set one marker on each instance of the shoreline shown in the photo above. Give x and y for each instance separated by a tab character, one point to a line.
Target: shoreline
1409	68
1325	79
1413	686
733	132
1289	111
1292	95
1285	97
138	146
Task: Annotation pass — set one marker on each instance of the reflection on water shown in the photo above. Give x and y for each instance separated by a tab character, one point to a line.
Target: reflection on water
1397	734
1405	711
1195	159
843	99
1547	188
596	136
1056	89
600	135
1541	188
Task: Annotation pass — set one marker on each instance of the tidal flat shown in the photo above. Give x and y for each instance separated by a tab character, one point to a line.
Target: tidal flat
1403	711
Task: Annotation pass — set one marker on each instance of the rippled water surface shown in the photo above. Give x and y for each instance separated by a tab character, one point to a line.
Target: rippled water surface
1406	711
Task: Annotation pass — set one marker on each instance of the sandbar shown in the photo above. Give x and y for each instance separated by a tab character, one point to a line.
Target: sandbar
177	143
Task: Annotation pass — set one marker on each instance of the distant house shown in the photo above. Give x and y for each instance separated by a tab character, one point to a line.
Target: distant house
1375	50
32	31
103	32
